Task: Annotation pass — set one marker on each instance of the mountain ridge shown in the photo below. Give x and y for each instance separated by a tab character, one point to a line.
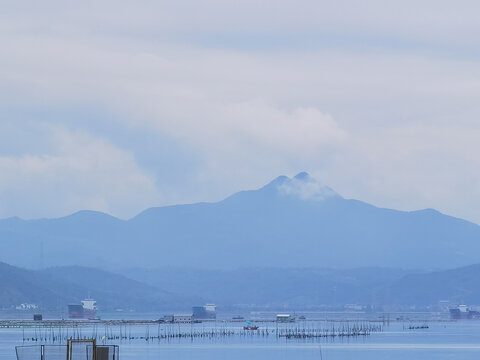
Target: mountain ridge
289	222
54	288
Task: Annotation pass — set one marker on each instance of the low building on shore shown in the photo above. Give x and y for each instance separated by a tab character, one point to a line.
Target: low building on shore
285	318
183	318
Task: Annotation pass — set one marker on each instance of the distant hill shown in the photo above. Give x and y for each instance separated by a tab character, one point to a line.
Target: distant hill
310	288
276	288
460	286
291	222
55	288
248	289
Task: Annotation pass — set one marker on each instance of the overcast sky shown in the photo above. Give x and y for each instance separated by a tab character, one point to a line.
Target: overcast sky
118	106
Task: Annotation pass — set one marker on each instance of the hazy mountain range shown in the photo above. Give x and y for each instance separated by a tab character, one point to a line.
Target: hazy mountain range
55	288
290	222
303	288
172	289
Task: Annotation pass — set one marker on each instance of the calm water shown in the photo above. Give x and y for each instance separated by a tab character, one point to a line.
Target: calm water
442	340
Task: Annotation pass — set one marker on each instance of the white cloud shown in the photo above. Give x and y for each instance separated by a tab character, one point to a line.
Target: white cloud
306	188
83	173
412	167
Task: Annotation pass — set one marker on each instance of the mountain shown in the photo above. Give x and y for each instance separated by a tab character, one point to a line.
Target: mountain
315	288
240	289
275	288
55	288
290	222
459	286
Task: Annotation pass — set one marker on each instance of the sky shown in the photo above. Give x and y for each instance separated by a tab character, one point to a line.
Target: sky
120	106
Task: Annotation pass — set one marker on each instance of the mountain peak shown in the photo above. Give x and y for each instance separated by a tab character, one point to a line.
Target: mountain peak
278	180
302	176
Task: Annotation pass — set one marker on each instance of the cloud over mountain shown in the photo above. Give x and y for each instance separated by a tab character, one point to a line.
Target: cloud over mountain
305	187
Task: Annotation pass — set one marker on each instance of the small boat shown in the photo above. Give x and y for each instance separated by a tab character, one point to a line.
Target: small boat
249	326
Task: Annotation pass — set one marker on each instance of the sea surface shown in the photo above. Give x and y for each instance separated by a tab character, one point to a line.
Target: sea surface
410	337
